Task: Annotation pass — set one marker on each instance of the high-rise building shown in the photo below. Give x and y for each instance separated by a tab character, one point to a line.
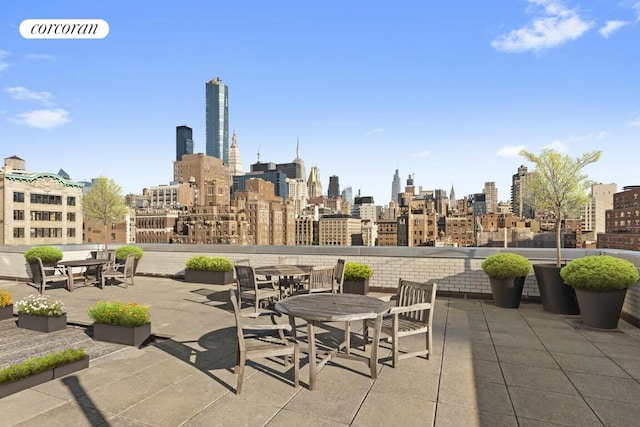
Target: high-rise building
334	187
207	175
593	215
519	200
347	195
491	196
623	221
313	183
184	141
395	186
235	162
217	120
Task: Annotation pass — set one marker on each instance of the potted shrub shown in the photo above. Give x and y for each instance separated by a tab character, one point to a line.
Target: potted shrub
123	251
49	255
36	370
209	269
557	186
507	273
356	278
41	313
6	305
601	283
115	321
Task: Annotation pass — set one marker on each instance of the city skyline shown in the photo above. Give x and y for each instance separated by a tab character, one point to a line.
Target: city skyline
447	93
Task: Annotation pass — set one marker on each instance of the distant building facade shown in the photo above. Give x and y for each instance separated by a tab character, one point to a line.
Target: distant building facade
622	226
593	214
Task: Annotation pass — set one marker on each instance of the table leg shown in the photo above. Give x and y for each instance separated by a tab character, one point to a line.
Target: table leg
292	322
347	337
311	332
373	359
69	272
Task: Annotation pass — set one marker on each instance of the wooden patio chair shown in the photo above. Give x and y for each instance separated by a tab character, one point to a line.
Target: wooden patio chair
413	314
250	288
261	345
53	274
321	279
338	274
114	271
94	271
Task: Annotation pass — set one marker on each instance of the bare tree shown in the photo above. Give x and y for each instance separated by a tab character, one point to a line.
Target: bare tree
558	185
104	203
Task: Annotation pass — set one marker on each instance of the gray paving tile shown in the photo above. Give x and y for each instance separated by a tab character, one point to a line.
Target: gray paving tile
630	366
551	322
609	337
589	365
26	404
608	388
449	415
549	407
107	399
581	346
232	410
408	411
617	351
287	418
338	404
538	378
615	414
490	397
69	414
480	370
525	356
407	383
526	422
525	339
562	333
470	350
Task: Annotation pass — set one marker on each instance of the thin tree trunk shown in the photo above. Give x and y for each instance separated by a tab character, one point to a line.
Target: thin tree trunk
558	242
106	238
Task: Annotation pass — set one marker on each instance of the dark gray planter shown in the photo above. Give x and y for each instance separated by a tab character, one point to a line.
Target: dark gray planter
360	286
6	312
24	383
507	292
129	335
210	277
601	309
555	295
42	323
69	368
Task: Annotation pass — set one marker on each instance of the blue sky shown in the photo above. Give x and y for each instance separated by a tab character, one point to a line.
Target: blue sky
445	90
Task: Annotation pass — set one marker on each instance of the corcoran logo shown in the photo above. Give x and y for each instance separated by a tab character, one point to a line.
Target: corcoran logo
64	29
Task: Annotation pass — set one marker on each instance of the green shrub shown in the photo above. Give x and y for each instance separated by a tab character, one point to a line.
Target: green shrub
357	271
34	365
600	273
5	298
209	263
123	251
48	254
506	265
118	313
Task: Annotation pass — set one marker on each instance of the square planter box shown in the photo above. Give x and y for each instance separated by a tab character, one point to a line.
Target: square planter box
360	287
210	277
69	368
129	335
6	312
42	323
22	384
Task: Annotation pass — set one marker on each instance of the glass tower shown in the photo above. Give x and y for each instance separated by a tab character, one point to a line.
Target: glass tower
217	119
184	141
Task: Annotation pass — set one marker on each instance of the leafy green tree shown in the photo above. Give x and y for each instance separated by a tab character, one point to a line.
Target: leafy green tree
558	185
104	203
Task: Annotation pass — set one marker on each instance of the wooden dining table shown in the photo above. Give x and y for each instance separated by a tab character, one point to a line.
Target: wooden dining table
289	275
69	265
320	308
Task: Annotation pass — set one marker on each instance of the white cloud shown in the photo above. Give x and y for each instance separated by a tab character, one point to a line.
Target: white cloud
510	151
374	131
424	153
22	93
611	27
636	7
3	65
45	56
43	119
558	146
557	26
635	123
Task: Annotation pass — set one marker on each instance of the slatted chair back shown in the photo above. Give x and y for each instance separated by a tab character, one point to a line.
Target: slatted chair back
321	280
338	274
246	278
112	270
410	293
243	261
238	317
52	274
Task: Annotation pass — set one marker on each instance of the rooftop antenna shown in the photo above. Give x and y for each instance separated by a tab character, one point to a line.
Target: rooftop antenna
259	152
297	147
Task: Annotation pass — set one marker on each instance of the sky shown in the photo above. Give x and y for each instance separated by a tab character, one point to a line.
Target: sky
448	91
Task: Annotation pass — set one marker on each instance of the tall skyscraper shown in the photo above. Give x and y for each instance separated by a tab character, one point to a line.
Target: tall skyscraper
491	193
184	141
313	183
347	195
395	186
217	119
334	187
519	197
594	213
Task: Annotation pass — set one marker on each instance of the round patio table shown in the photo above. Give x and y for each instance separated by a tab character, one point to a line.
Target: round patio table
318	308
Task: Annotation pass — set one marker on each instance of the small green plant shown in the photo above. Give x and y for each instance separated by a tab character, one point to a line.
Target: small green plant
41	305
5	298
357	271
123	251
48	254
34	365
119	313
600	273
506	265
209	263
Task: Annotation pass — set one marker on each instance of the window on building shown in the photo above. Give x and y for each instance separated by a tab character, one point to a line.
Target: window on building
18	197
18	215
71	217
71	201
18	233
71	232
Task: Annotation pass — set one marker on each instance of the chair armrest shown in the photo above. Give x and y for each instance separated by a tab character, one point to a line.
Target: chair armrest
413	307
281	327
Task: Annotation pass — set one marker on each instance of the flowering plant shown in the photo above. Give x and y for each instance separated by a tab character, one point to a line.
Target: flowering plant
41	305
5	298
118	313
